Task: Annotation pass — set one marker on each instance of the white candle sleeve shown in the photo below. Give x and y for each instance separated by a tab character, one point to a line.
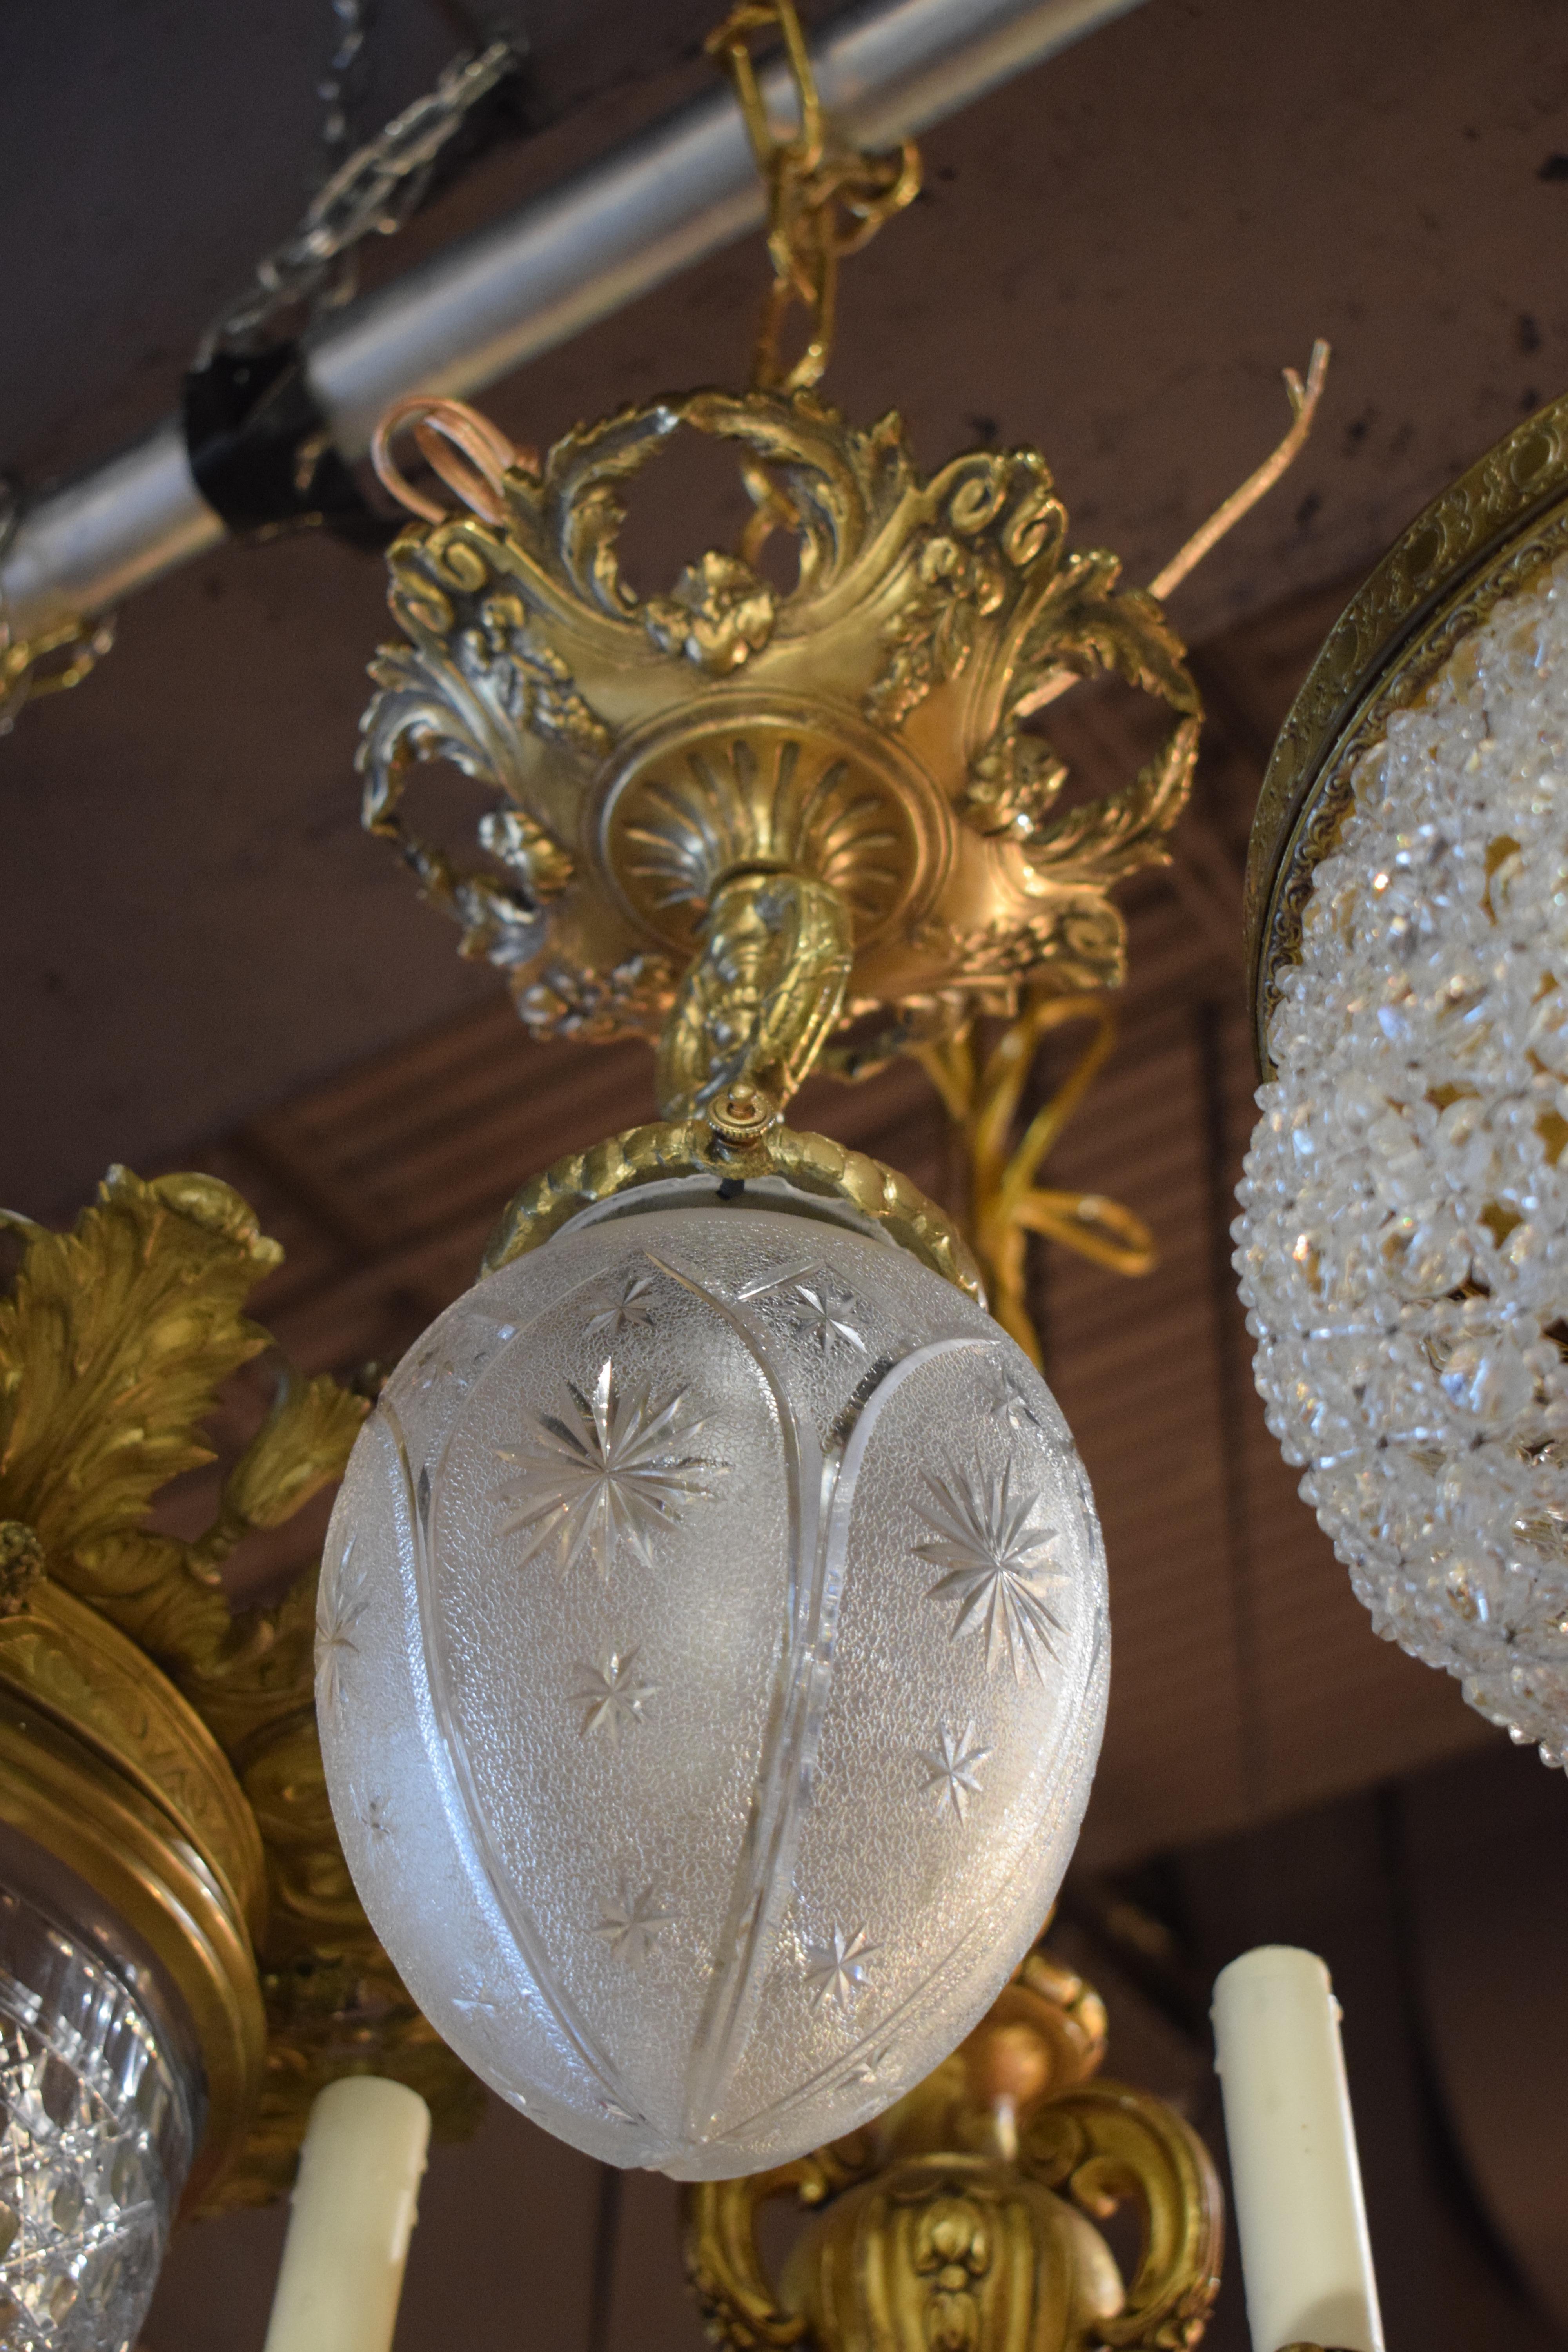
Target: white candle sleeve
351	2213
1306	2257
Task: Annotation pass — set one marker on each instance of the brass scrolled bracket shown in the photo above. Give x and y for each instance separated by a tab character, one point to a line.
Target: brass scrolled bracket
963	2219
764	993
1007	1203
51	663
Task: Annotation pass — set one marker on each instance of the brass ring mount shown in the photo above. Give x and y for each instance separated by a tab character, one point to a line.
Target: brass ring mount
688	1160
104	1765
1484	539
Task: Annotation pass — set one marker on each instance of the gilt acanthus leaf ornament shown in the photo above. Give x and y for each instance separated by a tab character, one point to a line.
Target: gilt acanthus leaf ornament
115	1341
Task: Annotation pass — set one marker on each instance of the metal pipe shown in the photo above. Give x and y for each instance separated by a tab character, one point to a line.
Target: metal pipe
107	533
616	229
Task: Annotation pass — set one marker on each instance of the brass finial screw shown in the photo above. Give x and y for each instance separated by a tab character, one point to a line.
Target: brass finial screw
741	1115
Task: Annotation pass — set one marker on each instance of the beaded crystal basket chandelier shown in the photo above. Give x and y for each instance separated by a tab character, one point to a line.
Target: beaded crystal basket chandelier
1404	1241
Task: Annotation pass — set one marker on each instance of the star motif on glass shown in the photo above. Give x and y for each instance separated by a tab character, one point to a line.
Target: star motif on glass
628	1307
837	1970
341	1601
953	1767
610	1474
996	1564
821	1311
611	1696
376	1817
819	1306
433	1368
629	1924
1005	1395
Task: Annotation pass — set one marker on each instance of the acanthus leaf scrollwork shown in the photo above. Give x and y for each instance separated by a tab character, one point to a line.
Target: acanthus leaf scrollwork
930	625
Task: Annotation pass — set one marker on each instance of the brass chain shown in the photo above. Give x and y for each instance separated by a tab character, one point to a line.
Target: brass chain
59	657
825	200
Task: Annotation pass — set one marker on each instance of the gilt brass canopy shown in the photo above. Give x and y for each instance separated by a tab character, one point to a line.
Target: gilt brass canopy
842	781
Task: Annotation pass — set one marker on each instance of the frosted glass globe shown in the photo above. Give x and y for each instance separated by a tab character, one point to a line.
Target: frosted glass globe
1404	1241
712	1667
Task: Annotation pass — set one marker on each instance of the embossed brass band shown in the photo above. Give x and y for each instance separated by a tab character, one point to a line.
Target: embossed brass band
811	1165
1481	541
63	1791
63	1659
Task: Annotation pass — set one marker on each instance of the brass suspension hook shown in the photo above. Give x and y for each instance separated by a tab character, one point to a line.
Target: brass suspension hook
825	201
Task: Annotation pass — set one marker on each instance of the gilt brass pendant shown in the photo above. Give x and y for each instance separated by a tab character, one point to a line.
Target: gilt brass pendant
868	734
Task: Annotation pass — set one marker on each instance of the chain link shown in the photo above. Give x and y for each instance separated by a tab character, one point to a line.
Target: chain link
372	193
342	91
61	657
825	200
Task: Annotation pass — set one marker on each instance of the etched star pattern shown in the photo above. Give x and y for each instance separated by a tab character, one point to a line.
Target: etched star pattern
433	1368
341	1601
376	1817
611	1696
821	1309
629	1308
953	1768
837	1970
630	1923
614	1473
996	1565
1005	1395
